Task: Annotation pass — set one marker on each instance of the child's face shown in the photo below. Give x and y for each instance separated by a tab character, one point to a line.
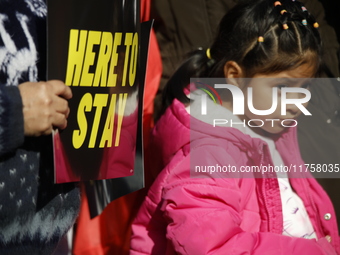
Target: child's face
262	96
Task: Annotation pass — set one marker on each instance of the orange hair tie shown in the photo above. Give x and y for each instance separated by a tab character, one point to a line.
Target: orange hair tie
282	12
277	3
316	25
285	26
260	39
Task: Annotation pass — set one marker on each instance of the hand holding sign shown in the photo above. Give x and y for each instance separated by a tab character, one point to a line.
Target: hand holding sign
44	106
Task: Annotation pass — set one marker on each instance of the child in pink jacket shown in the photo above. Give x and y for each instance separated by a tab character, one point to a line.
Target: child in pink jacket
218	192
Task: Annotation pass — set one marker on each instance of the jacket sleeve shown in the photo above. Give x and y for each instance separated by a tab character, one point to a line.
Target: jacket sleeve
204	217
11	119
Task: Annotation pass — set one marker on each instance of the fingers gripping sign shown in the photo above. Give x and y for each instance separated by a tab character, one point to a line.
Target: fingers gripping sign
45	106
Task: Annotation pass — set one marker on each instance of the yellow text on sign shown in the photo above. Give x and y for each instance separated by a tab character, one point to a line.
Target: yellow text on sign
96	103
82	57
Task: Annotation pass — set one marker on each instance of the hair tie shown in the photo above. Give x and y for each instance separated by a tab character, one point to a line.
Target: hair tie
285	26
304	22
277	3
316	25
260	39
208	53
283	11
304	8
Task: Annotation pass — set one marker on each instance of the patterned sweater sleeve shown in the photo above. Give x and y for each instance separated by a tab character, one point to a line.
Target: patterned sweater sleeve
11	119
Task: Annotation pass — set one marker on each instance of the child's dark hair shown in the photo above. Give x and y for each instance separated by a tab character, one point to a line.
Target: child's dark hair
262	36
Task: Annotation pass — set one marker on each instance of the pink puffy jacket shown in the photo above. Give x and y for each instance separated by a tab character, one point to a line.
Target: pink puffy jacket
187	215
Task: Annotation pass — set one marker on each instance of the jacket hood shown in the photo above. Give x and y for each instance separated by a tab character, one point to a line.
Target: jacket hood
177	128
183	128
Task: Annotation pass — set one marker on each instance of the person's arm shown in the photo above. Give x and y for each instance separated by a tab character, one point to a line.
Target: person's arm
204	217
209	223
31	109
11	119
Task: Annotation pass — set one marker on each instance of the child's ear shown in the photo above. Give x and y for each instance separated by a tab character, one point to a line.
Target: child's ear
232	71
